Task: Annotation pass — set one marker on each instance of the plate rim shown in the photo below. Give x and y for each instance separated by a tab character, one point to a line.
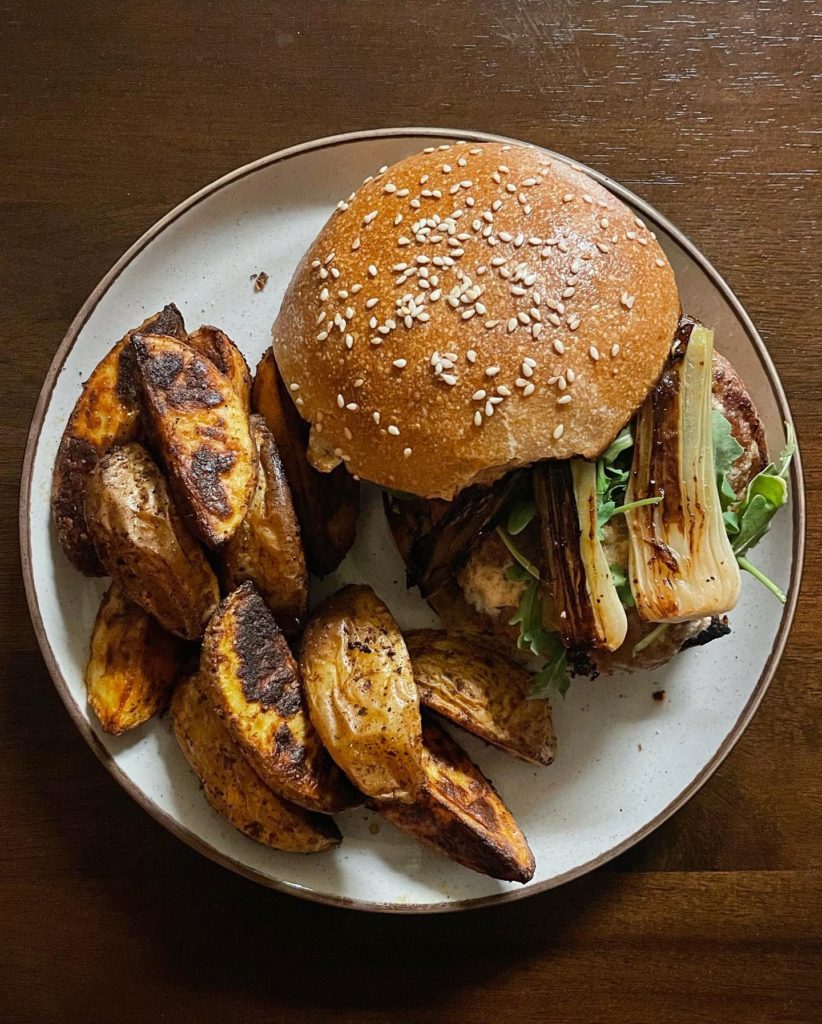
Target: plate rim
192	839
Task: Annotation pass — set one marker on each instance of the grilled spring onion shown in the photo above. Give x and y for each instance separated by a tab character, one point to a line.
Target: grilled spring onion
589	612
682	565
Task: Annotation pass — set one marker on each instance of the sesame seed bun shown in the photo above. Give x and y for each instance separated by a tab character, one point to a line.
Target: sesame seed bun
472	309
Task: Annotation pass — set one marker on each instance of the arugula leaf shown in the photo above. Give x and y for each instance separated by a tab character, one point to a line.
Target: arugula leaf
533	635
623	586
516	554
726	447
622	442
518	573
520	514
552	677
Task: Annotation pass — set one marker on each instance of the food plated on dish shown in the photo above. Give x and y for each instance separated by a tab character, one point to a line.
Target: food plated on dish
572	474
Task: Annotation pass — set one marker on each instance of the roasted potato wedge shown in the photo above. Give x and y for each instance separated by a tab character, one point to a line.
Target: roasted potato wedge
459	813
327	504
216	345
267	548
257	690
199	428
144	544
231	785
106	413
361	693
483	692
133	665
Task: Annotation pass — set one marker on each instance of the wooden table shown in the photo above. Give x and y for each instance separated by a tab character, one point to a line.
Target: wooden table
115	112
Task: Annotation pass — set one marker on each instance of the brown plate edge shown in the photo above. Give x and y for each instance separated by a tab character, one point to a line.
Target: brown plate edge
193	840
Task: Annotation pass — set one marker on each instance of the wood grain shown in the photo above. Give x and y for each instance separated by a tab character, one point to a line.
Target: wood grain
112	114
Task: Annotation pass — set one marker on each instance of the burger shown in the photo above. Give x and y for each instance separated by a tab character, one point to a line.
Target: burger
572	472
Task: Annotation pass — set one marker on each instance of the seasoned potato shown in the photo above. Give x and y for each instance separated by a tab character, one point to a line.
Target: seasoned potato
133	665
256	688
327	504
267	548
483	692
216	345
106	413
361	693
143	543
231	785
200	430
459	813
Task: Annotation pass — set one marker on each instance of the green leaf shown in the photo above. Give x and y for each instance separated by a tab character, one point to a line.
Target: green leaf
552	678
516	554
517	573
726	447
623	587
532	634
520	514
622	442
756	515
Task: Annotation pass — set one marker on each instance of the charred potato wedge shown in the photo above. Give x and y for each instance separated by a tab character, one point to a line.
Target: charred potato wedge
216	345
144	544
361	693
267	548
483	692
460	814
231	785
133	666
257	690
106	413
199	428
327	504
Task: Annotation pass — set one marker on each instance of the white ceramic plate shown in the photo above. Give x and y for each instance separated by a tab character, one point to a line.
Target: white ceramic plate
625	762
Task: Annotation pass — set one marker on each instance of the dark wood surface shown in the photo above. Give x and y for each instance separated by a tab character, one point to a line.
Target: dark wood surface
112	113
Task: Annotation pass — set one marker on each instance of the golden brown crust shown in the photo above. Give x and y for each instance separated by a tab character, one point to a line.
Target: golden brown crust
256	687
326	504
199	428
133	664
233	788
216	345
460	814
106	413
267	548
144	544
597	281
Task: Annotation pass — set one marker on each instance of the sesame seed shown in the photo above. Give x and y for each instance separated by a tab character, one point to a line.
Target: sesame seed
558	431
415	203
376	340
642	241
321	317
356	288
521	382
604	222
559	347
504	391
406	452
349	341
570	376
528	390
615	350
478	396
370	303
375	416
389	187
564	400
562	384
324	295
448	378
627	300
352	407
315	264
659	262
523	317
393	430
335	273
587	199
322	335
424	178
340	401
349	312
398	219
446	168
369	217
478	418
400	364
568	292
512	323
372	270
491	371
593	352
468	313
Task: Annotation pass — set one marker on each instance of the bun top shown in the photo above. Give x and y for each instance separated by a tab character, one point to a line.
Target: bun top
472	309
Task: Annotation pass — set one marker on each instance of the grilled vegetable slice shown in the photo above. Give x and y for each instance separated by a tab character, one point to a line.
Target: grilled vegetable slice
460	814
231	785
200	430
133	664
106	413
144	544
267	548
483	692
588	612
221	350
361	693
257	690
327	504
682	565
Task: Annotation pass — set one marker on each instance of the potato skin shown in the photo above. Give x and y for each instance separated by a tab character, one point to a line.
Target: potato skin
216	345
106	413
484	692
460	814
133	664
267	547
143	542
327	504
231	785
256	688
199	429
361	693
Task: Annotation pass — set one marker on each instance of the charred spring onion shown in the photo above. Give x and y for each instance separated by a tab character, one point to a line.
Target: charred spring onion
682	565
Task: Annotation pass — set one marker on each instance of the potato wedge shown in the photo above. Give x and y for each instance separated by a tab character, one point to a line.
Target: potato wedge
133	665
459	813
216	345
199	428
327	504
484	692
267	548
144	544
257	690
231	785
106	413
361	693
